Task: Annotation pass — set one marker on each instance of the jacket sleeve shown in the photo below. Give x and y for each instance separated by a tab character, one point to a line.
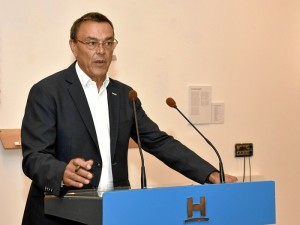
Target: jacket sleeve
170	151
38	134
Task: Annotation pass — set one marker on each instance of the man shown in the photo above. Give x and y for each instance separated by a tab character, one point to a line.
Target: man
78	122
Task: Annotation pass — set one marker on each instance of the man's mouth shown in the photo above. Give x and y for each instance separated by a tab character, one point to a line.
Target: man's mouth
100	61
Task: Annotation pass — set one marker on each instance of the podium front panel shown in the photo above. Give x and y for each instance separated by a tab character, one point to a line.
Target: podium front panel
235	204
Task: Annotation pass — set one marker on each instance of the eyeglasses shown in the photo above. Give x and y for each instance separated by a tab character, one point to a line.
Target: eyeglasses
107	45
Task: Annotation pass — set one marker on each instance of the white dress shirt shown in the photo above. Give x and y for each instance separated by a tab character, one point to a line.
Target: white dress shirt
99	108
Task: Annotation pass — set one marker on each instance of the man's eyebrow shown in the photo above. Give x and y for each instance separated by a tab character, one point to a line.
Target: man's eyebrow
90	39
96	39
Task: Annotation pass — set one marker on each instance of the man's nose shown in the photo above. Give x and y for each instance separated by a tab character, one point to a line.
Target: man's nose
100	48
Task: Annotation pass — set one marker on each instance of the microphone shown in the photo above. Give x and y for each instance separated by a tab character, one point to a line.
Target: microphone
133	97
171	102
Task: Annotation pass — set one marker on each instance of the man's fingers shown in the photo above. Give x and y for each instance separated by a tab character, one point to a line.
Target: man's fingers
77	173
72	183
81	163
230	179
82	172
76	180
77	168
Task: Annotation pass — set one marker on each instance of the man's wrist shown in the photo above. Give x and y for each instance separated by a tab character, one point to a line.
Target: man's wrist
213	177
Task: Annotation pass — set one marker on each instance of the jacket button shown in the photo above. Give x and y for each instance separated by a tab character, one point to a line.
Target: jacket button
99	164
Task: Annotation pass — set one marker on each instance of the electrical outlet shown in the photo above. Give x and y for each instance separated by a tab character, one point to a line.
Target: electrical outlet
244	150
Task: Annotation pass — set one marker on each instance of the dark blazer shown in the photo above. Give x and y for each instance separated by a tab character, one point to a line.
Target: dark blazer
58	126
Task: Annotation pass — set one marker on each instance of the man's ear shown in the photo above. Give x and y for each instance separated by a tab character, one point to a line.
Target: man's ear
73	47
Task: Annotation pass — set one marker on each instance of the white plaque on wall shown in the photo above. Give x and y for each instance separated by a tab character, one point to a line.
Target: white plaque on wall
200	104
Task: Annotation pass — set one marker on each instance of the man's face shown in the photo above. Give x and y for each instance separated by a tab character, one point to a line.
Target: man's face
94	63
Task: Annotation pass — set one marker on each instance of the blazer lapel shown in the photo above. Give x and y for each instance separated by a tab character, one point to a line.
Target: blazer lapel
77	93
113	97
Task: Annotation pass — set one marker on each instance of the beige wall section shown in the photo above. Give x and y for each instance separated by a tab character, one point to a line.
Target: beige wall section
248	51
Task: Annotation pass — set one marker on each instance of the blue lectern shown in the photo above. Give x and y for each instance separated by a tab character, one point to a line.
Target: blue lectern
250	203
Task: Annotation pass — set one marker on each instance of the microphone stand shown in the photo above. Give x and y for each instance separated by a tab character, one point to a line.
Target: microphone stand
222	175
143	171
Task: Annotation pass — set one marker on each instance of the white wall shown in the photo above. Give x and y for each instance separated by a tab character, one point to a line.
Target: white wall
248	51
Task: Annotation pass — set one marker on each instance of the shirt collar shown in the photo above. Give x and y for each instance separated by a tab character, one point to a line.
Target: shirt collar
85	79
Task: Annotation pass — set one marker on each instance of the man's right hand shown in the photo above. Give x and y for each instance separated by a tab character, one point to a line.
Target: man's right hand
77	173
